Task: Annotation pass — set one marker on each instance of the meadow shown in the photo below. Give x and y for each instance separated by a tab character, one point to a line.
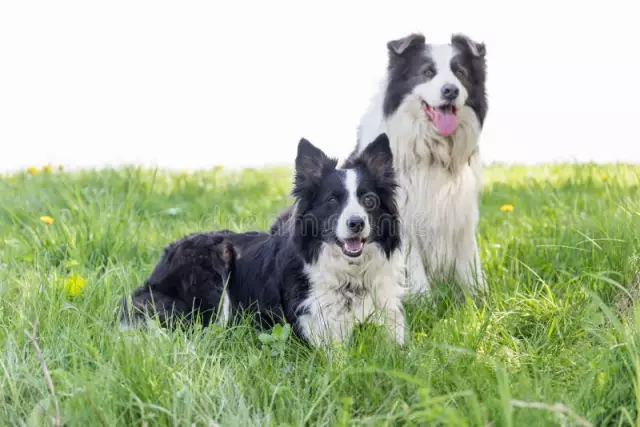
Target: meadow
556	342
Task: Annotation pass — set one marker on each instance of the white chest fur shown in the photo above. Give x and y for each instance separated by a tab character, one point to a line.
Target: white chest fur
347	292
440	179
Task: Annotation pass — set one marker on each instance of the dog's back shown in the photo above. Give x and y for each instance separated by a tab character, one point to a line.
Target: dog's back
209	274
189	278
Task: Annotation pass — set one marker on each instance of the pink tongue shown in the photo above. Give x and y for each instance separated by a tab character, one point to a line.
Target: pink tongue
353	245
445	122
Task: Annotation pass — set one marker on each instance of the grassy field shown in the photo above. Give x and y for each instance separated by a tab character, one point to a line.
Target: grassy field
556	343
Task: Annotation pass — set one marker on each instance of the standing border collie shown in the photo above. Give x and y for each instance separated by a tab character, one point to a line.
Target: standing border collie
432	103
338	261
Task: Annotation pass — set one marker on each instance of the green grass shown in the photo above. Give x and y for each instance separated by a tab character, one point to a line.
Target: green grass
560	326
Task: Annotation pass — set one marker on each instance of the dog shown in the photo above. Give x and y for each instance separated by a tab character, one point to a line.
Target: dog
432	104
336	263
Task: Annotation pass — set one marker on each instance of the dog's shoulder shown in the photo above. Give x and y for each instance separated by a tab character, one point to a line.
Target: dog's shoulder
279	226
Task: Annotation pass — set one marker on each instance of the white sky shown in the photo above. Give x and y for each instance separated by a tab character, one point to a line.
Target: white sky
200	83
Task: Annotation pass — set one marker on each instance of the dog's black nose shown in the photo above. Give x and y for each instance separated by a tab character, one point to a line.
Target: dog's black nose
450	92
355	224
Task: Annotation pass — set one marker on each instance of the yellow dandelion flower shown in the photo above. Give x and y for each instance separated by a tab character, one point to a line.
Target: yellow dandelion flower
74	284
47	219
602	378
419	336
47	168
506	208
604	177
32	170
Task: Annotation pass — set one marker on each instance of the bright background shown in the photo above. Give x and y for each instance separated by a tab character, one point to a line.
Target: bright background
200	83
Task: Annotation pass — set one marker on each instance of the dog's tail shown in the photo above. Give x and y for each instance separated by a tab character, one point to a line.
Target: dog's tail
130	313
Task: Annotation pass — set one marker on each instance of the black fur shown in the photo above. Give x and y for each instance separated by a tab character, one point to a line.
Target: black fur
266	271
188	279
476	80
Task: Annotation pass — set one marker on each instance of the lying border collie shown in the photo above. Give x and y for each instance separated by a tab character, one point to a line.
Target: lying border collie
432	103
336	263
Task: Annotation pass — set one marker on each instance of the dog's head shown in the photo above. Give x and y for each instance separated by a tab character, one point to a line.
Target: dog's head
349	208
437	81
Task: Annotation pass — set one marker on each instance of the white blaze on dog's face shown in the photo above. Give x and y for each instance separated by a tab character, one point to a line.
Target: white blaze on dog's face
441	95
353	226
437	80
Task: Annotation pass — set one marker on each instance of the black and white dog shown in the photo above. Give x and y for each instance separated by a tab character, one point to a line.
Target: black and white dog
335	263
432	104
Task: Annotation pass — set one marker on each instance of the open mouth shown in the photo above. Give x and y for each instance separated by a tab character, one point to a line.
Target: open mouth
444	117
353	246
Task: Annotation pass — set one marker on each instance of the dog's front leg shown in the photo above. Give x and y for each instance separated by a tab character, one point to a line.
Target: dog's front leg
392	319
468	268
323	329
396	324
417	280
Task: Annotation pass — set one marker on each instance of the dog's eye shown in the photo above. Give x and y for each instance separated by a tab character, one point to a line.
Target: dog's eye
333	200
461	72
429	72
369	202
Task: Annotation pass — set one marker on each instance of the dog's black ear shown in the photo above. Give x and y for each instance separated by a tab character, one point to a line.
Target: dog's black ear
311	165
478	50
400	46
378	158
